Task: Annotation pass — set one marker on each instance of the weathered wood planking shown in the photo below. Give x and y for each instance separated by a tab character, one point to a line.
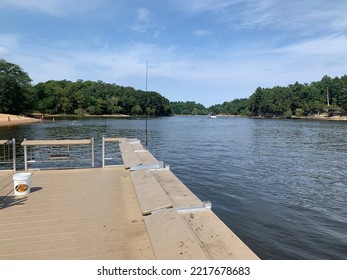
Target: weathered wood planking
176	190
3	142
171	238
133	153
130	159
150	193
56	142
115	139
6	184
146	157
75	214
220	242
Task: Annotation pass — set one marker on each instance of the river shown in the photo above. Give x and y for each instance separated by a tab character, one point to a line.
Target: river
280	185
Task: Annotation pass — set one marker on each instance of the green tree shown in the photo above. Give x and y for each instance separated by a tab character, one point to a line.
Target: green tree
188	108
137	110
15	89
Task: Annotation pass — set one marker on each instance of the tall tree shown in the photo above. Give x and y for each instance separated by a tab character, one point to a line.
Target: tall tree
15	89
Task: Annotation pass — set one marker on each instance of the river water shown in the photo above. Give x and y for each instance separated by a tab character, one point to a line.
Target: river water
280	185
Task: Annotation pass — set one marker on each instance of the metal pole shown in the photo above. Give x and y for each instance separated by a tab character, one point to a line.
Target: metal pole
14	153
103	151
92	143
146	106
25	157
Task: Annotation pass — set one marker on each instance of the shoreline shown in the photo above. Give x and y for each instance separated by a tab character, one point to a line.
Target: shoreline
38	115
12	120
321	117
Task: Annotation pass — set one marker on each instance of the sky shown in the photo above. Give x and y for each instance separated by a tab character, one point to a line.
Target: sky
207	51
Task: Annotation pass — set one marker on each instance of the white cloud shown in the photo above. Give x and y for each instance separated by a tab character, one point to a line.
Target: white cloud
143	15
226	71
7	42
145	23
206	80
51	7
273	14
203	32
201	6
329	45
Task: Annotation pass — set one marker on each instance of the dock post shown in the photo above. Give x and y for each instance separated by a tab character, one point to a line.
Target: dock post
103	151
92	143
25	157
14	154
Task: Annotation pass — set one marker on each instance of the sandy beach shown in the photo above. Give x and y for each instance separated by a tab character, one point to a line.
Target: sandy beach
7	119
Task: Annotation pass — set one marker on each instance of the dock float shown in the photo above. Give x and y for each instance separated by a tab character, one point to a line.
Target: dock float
140	210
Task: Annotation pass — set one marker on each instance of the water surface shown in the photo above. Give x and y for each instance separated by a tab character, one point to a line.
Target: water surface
280	185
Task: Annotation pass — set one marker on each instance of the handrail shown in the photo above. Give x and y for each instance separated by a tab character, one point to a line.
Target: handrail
108	140
67	142
9	142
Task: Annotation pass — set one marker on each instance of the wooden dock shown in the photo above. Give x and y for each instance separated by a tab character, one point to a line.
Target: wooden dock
137	211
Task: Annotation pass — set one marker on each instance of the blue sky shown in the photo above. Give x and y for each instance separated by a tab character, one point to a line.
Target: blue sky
208	51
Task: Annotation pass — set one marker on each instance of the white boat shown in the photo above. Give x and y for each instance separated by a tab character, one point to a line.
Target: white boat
212	116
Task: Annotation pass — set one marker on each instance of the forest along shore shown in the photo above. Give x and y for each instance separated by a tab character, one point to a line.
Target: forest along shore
8	119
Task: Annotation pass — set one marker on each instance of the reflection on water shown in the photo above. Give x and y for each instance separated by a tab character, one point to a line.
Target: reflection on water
279	184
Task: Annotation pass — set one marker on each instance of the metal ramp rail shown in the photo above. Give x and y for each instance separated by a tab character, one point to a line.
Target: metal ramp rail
8	153
55	150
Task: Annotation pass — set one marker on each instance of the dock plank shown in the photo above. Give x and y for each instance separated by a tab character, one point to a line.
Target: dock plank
75	214
56	142
177	191
6	184
150	193
218	239
3	142
130	159
171	238
125	147
146	157
112	213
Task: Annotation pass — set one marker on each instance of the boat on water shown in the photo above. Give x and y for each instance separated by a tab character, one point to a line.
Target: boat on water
212	116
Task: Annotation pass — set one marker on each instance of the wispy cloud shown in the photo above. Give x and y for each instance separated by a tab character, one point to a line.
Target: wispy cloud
327	45
201	6
203	32
273	14
51	7
7	43
145	23
237	45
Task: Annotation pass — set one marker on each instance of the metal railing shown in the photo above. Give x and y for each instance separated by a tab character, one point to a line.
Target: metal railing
40	151
8	153
110	151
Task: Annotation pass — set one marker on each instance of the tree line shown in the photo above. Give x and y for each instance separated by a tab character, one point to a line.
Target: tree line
19	96
329	95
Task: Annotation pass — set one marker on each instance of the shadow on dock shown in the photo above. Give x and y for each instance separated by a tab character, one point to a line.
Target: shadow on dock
9	201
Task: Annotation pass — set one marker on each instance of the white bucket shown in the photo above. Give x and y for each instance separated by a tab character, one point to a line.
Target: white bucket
22	183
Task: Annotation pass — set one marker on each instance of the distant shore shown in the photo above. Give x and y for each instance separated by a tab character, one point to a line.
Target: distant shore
323	117
10	120
39	115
